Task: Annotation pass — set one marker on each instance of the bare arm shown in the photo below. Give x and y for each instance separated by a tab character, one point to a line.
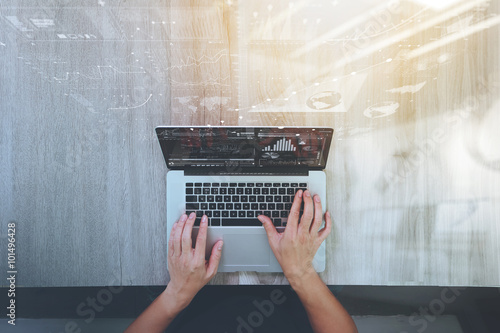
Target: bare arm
295	249
189	272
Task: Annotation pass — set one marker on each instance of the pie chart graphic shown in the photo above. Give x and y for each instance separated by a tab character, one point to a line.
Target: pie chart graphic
324	100
381	110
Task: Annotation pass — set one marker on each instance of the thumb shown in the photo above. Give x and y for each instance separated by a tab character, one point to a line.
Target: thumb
268	226
213	262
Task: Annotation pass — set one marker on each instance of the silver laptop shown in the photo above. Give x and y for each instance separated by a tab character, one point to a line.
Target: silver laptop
234	174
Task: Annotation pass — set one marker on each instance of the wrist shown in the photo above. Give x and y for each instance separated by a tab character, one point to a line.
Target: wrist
300	281
174	301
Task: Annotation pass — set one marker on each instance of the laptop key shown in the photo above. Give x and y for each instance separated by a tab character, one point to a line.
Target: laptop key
204	206
215	184
263	206
216	213
241	184
189	184
197	190
277	222
252	198
223	190
192	206
254	206
224	184
246	206
265	191
240	222
269	198
250	184
271	206
237	206
206	190
294	185
214	191
267	213
235	198
191	198
189	190
250	213
220	206
210	198
206	184
225	213
241	213
227	198
197	184
233	213
248	190
208	213
280	206
259	184
244	198
215	222
239	190
232	184
268	184
261	198
202	198
229	206
212	206
275	213
303	184
218	198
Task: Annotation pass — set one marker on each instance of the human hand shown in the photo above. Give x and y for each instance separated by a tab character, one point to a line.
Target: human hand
296	246
189	271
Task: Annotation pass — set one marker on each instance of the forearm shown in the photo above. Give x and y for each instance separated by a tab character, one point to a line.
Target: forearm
158	316
325	312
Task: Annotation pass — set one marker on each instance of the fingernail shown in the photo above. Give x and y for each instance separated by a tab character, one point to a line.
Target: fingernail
300	193
259	218
307	194
192	215
220	245
204	219
317	198
184	218
327	214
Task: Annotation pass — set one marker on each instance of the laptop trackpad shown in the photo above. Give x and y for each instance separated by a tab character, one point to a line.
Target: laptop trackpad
245	250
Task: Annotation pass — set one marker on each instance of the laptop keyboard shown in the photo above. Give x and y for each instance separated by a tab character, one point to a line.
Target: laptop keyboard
239	204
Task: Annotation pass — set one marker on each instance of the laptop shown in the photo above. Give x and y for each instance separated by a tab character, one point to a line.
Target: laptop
234	174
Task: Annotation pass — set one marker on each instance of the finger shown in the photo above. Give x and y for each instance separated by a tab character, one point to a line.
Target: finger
307	216
171	248
213	262
293	216
318	214
177	234
323	233
187	242
268	227
201	239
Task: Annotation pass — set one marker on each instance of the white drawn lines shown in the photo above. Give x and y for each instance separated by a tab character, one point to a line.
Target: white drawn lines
132	107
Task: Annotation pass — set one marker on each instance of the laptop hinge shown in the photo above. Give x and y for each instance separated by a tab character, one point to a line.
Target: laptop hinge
240	171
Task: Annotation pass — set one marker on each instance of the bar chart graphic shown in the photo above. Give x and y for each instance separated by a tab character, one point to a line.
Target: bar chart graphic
282	145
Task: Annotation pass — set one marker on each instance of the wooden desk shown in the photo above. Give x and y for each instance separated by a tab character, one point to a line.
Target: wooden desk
414	170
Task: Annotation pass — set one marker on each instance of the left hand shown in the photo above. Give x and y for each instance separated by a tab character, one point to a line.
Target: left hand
189	271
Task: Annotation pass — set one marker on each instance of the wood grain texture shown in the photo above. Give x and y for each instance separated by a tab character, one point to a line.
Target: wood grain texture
414	168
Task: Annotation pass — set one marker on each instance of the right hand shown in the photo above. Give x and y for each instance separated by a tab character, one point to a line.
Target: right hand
296	246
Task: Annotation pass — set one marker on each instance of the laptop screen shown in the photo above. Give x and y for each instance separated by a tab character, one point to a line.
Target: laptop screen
253	147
